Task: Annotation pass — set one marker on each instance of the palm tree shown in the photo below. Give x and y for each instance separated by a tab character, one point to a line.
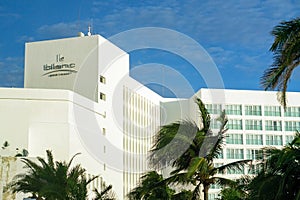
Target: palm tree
286	50
280	174
200	146
151	187
52	180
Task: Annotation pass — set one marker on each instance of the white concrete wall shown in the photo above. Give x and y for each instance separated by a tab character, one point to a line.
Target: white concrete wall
81	52
174	110
141	122
41	119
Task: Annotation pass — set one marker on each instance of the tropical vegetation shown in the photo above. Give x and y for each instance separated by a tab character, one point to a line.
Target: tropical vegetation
105	194
23	153
50	180
151	187
279	177
286	51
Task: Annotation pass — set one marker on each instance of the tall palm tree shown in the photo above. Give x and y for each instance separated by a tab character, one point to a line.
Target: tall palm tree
280	174
199	147
286	50
52	180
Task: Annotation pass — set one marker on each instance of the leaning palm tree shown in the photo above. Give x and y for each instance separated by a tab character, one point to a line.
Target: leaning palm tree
190	150
52	180
286	49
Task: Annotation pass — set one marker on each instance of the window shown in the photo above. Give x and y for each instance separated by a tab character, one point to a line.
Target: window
234	124
102	79
215	124
214	108
292	112
273	125
234	138
289	138
292	126
254	139
253	124
235	154
102	96
273	139
253	110
213	196
254	154
254	169
233	109
103	131
104	149
272	111
104	166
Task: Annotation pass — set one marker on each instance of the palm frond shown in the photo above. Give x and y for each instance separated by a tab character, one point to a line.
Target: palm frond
179	178
71	160
171	142
233	165
52	180
216	143
224	181
105	194
199	165
286	57
205	117
50	158
196	192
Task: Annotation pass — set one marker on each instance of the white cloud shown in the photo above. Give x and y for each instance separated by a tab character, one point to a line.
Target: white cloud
10	15
245	23
235	33
25	38
62	29
11	72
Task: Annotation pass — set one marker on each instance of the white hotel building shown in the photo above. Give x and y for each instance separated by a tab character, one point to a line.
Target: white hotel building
79	97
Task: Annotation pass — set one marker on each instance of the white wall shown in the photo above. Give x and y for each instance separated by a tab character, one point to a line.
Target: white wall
41	119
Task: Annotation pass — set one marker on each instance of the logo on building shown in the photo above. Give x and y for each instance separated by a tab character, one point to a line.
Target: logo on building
59	68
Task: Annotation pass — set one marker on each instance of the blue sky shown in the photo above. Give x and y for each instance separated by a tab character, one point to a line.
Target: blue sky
236	34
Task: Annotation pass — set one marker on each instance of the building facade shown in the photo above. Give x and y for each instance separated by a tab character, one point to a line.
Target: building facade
255	120
79	97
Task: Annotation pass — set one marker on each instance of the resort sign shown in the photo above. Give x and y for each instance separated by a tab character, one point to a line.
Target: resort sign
59	68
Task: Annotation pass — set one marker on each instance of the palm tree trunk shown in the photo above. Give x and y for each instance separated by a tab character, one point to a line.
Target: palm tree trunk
205	191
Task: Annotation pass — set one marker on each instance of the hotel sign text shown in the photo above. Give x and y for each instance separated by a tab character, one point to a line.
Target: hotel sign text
59	68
